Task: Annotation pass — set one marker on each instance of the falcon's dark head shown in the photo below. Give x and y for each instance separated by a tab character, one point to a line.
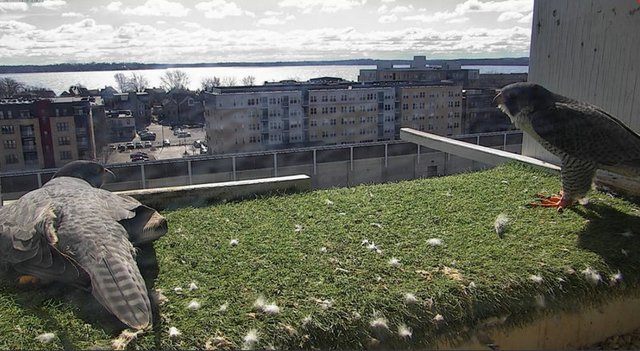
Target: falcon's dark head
522	97
93	172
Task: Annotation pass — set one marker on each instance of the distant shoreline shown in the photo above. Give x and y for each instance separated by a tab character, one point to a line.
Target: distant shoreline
122	66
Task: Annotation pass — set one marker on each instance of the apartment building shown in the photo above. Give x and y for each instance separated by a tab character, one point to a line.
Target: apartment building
418	71
253	120
45	133
121	125
329	112
434	109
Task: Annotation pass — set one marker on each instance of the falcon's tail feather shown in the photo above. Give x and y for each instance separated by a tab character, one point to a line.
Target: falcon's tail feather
119	287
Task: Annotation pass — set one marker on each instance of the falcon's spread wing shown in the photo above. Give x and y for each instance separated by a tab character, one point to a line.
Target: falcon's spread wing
69	231
587	133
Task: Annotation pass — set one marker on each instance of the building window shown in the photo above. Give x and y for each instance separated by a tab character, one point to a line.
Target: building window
65	155
313	98
9	144
62	126
11	159
313	111
64	140
7	129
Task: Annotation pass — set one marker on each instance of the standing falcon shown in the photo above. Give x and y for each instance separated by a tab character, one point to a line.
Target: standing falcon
72	232
583	136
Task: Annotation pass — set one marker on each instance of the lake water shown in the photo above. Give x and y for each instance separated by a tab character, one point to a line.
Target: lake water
61	81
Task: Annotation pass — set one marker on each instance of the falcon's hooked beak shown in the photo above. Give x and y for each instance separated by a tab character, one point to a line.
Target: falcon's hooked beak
499	102
108	176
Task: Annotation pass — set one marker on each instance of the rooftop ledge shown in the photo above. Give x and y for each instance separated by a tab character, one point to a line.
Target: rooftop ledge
403	265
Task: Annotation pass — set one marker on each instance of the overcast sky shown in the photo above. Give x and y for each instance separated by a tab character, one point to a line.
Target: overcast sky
166	31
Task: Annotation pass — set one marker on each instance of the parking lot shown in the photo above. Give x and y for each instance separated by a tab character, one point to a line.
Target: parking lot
177	149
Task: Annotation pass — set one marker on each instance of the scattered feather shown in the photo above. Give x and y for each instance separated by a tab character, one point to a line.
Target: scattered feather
46	338
364	242
356	316
194	305
378	278
223	308
342	270
298	228
271	309
323	249
307	320
124	339
404	332
434	242
178	290
377	225
472	285
158	297
536	278
438	318
233	242
342	214
394	262
193	286
174	333
250	340
584	201
259	303
624	252
379	323
501	223
410	298
615	278
328	202
504	181
540	301
324	304
592	275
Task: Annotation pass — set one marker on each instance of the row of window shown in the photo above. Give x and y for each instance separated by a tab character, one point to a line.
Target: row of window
345	97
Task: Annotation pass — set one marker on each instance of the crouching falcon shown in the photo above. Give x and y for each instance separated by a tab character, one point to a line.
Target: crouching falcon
72	232
583	136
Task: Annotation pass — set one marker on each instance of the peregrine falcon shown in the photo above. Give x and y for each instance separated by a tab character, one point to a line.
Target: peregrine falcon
71	231
583	136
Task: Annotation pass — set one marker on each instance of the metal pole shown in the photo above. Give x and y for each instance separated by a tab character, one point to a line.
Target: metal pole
189	170
315	167
418	159
386	152
504	142
39	175
275	164
144	185
1	201
351	157
233	167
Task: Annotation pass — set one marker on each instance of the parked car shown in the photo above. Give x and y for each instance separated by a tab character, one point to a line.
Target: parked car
147	144
138	145
184	134
121	147
139	154
203	150
130	146
112	146
148	136
166	142
197	143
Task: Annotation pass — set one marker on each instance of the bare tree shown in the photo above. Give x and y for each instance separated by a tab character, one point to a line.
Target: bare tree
249	80
121	81
175	79
228	81
10	87
138	82
209	83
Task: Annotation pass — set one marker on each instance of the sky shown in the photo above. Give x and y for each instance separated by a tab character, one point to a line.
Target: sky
193	31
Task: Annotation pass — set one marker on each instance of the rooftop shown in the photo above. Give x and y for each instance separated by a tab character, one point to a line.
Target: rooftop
336	268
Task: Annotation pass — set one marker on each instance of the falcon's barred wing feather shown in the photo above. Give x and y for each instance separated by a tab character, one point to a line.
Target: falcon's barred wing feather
73	232
26	244
587	133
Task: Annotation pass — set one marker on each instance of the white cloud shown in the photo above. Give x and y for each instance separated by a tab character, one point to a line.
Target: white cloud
527	18
72	14
50	4
458	20
13	6
387	1
7	27
307	6
274	19
114	6
191	25
151	8
509	15
388	18
221	9
475	6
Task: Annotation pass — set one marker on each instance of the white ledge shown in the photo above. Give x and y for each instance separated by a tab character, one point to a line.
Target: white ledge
470	151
